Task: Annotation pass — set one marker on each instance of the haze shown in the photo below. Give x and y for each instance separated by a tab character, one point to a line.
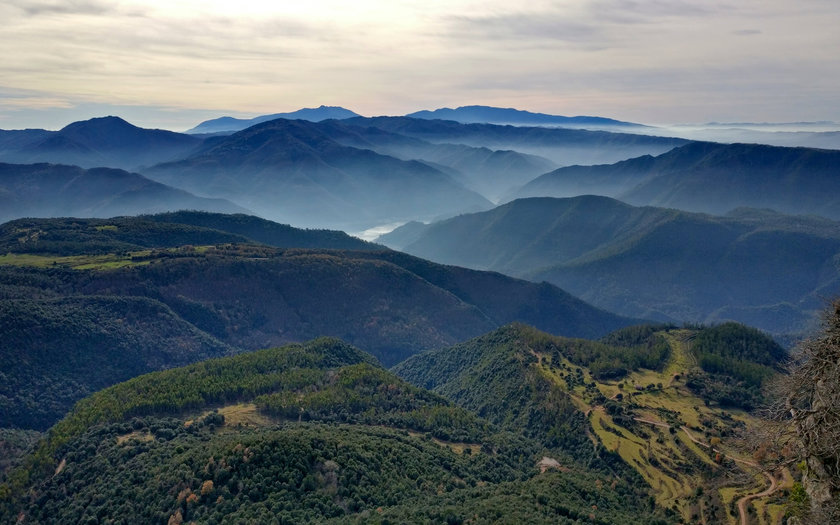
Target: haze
173	64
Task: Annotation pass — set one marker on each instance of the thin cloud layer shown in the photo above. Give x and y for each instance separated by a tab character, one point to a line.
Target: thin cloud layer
643	60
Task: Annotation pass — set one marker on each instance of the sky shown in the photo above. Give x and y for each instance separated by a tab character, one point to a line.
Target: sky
172	64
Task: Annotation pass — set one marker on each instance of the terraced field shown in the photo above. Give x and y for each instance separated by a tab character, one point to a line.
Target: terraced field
674	440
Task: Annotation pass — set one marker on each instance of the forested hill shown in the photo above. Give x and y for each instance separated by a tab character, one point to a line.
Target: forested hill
644	393
56	351
77	322
311	433
76	236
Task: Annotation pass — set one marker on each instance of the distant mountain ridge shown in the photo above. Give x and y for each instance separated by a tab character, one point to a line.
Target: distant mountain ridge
564	146
357	172
285	170
51	190
228	124
495	115
754	266
711	178
99	142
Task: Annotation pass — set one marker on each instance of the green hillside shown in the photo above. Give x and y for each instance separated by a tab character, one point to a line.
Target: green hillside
88	303
647	399
265	231
300	434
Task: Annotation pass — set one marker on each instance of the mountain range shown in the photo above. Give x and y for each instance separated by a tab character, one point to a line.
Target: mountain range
763	268
559	145
177	366
357	172
287	169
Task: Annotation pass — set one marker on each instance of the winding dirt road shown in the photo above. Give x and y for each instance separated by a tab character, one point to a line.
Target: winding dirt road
742	503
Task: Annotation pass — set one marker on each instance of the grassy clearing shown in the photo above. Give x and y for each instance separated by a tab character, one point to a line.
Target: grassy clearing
456	447
243	414
76	262
142	436
701	453
775	513
106	261
768	514
681	359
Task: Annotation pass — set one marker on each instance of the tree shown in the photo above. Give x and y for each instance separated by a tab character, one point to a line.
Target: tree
807	416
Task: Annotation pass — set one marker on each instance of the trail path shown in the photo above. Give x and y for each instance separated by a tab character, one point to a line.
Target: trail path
742	503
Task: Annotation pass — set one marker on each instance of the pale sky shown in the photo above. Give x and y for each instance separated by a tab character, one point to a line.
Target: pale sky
171	64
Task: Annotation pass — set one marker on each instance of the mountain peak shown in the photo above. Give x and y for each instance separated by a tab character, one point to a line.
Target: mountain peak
106	123
231	124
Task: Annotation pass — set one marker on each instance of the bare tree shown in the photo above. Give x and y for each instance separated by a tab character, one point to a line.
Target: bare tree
807	418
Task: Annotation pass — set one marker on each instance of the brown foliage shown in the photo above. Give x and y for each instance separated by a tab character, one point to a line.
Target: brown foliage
207	487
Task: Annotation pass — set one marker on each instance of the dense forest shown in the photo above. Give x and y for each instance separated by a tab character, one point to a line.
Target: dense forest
58	350
330	435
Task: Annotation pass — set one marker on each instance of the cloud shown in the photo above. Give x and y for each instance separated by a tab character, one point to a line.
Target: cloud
648	57
61	7
646	11
37	103
522	27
